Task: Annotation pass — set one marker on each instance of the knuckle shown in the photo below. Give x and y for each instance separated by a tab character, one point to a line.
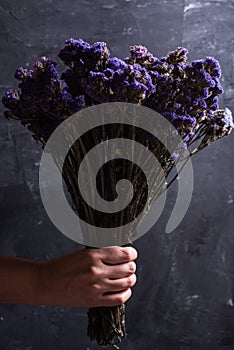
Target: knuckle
94	271
130	294
120	300
93	255
129	281
96	288
126	297
132	280
131	253
135	253
106	284
132	266
127	253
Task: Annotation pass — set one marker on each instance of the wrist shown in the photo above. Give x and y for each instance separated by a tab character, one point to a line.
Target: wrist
19	279
50	290
43	287
33	292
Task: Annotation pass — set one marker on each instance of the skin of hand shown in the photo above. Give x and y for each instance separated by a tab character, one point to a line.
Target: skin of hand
88	277
83	278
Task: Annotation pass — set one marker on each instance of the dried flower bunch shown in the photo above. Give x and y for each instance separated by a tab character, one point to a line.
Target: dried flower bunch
185	93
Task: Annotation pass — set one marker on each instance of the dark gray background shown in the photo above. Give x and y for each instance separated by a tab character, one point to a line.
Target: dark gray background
185	291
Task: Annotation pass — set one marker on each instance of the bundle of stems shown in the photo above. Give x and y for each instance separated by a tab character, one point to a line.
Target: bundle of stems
106	325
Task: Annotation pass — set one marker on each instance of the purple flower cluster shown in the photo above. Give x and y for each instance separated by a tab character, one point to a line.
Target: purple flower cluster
82	58
120	81
185	93
100	78
42	101
80	53
184	89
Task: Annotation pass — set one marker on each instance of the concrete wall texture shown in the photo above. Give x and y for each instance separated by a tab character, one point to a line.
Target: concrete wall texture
184	295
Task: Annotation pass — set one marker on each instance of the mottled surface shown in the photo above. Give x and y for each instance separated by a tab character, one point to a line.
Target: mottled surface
185	292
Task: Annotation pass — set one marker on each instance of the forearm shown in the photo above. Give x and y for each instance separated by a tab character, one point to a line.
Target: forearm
19	282
83	278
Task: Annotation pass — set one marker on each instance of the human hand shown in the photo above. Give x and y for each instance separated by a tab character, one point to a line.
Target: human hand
89	277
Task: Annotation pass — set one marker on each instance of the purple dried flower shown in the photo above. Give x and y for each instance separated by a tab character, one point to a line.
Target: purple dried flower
212	66
175	155
21	73
11	101
177	56
138	52
116	63
73	51
183	123
44	100
79	52
109	73
75	80
120	82
186	94
99	52
217	89
198	64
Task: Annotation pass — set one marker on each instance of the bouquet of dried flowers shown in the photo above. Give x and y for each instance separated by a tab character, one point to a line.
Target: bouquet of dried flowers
185	93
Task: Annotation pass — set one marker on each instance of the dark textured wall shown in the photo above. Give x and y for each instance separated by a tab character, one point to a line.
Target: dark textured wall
184	295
